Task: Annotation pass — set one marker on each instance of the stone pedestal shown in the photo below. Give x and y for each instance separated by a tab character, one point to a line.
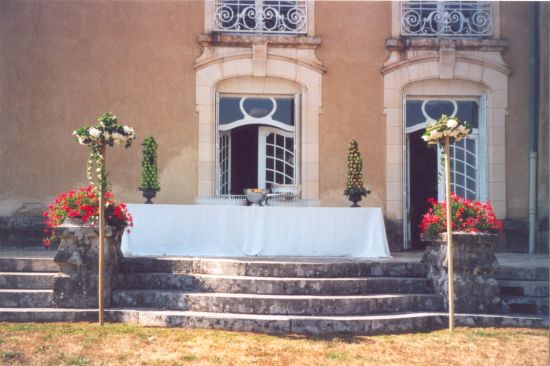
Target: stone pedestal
76	286
476	289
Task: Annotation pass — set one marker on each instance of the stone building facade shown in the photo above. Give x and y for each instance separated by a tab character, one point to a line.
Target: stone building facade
196	75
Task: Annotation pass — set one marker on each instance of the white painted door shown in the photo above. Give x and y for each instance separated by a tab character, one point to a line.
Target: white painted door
276	157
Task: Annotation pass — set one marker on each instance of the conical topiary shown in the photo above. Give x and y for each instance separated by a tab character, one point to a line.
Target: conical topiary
149	170
355	172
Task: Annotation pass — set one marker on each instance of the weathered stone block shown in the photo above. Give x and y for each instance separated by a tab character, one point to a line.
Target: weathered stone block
475	287
76	286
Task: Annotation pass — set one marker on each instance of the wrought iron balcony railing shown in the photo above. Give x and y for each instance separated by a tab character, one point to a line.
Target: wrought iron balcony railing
260	16
453	19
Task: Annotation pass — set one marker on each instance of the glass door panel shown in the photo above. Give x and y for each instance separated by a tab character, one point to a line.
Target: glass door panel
276	157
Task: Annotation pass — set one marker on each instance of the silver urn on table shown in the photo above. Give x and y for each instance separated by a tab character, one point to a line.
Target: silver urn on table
256	196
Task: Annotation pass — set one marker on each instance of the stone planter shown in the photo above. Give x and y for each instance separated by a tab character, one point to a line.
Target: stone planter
149	194
76	286
354	198
475	287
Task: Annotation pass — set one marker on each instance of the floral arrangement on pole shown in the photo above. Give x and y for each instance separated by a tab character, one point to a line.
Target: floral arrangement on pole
354	187
468	216
446	126
83	204
149	173
106	132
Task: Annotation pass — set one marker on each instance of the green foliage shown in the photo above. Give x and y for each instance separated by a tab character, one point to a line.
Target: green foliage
149	169
355	171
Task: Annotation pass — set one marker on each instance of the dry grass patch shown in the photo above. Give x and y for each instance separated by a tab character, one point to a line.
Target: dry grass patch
120	344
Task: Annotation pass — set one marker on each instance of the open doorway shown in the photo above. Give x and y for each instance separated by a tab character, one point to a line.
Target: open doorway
422	183
244	158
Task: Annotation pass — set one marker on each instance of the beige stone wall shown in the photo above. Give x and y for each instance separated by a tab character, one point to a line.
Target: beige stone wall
353	52
515	29
62	63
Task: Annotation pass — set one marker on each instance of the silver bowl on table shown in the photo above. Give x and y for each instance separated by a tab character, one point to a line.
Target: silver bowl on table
255	196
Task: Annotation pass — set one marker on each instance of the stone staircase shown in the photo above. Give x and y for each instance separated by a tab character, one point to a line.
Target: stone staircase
524	290
305	296
286	296
26	292
293	295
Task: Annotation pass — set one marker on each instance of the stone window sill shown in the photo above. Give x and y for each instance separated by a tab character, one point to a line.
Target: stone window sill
247	40
403	43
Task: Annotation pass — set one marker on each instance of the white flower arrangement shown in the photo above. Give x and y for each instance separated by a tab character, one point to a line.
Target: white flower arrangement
106	132
446	126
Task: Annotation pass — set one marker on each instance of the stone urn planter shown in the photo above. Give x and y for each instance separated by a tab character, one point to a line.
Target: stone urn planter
149	194
76	286
354	198
475	264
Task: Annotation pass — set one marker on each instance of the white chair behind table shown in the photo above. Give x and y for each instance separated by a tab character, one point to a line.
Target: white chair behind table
284	195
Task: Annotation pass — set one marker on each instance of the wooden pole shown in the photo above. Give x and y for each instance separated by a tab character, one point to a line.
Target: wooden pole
449	236
101	270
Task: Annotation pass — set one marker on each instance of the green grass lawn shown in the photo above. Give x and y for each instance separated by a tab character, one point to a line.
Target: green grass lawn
121	344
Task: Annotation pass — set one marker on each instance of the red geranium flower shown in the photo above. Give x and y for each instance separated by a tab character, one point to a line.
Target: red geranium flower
84	204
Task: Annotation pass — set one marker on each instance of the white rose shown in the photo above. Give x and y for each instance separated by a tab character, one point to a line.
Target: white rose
452	123
117	137
81	141
94	132
128	130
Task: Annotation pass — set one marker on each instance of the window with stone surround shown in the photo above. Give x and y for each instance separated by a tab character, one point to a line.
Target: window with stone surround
447	19
260	16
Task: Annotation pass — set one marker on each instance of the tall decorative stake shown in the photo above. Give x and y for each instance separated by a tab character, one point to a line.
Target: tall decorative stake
444	132
106	132
449	235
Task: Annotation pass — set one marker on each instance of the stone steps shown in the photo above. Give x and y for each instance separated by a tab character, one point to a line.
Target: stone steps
316	325
336	268
8	264
273	324
522	273
26	280
277	304
525	305
48	314
274	285
523	288
26	298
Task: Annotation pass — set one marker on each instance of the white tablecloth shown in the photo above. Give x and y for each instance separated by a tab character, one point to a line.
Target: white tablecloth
178	230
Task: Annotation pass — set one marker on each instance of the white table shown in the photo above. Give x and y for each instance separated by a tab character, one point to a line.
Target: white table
235	231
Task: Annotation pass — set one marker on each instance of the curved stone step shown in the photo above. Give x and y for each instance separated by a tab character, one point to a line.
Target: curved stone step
26	298
273	324
274	285
277	304
522	273
26	264
523	288
279	267
26	280
524	305
316	325
47	314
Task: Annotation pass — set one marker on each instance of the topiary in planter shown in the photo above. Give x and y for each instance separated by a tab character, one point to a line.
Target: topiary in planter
149	170
354	188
